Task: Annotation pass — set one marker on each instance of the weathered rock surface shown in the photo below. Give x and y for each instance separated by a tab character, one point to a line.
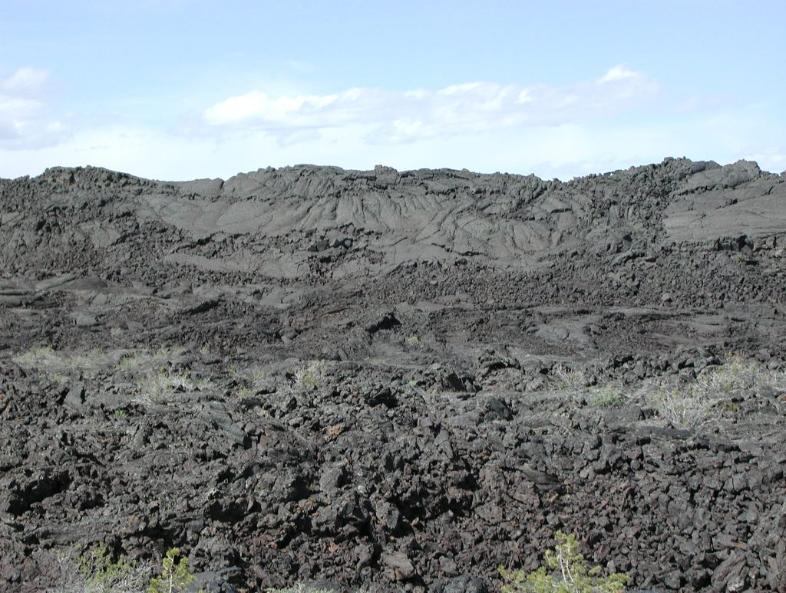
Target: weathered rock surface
434	440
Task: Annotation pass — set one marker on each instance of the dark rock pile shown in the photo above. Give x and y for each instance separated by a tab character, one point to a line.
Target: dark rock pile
385	380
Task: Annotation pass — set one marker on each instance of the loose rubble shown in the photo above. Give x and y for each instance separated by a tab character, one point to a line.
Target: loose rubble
396	381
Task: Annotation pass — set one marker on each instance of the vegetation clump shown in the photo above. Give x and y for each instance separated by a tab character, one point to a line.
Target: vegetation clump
159	387
310	376
301	588
176	577
101	574
688	406
248	380
716	390
96	572
565	571
58	364
150	360
606	397
568	379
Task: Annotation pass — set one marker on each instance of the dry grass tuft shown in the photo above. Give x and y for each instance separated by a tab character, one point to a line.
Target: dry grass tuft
567	379
60	363
715	390
146	360
311	376
160	387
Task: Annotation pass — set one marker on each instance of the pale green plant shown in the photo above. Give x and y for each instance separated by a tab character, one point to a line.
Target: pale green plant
250	380
565	571
59	378
253	376
413	341
300	588
311	376
739	376
688	406
38	357
714	390
138	360
244	392
201	384
96	572
567	379
100	572
606	397
256	376
160	387
58	364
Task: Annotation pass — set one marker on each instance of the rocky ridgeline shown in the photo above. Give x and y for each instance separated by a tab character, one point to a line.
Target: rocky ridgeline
394	380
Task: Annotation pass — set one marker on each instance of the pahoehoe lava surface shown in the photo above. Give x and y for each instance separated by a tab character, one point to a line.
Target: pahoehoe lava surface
368	369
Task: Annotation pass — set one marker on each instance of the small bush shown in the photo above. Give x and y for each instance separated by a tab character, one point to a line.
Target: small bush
710	394
606	397
413	341
565	571
568	379
250	380
160	387
688	407
310	376
95	572
739	376
101	574
244	392
175	577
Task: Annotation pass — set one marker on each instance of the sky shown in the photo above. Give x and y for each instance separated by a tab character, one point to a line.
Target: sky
184	89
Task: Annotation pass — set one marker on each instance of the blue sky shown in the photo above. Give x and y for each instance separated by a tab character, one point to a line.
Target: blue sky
180	89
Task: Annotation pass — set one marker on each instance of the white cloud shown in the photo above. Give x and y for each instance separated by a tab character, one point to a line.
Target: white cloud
553	131
405	116
25	120
618	73
24	81
549	151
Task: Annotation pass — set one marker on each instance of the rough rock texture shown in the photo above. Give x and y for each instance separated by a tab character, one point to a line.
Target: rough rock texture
433	440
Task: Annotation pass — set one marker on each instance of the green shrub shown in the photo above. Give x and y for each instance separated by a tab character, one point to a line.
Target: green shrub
175	577
100	573
96	572
565	571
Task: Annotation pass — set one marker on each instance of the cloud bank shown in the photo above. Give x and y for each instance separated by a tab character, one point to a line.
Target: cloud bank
25	121
412	115
620	118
